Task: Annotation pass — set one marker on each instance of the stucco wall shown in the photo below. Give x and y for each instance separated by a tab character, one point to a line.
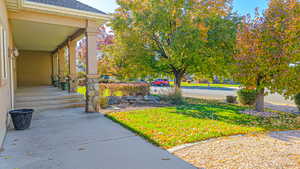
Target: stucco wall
34	68
5	98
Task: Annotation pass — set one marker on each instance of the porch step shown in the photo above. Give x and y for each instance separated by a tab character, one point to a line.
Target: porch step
55	107
60	96
47	98
37	103
52	93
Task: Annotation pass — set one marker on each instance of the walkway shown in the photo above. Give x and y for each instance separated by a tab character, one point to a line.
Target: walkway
73	139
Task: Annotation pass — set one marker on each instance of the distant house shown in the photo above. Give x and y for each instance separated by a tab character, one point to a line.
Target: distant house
37	46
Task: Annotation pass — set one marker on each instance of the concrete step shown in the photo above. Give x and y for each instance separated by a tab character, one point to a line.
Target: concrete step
20	99
53	93
37	89
47	98
54	107
38	103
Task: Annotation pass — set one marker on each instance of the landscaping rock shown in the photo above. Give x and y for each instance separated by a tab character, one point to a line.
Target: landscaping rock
153	99
114	100
129	99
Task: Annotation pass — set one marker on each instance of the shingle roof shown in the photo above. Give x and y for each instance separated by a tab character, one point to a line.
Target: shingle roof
73	4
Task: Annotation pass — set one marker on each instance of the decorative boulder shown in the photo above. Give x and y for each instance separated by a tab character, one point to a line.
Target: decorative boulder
114	100
153	99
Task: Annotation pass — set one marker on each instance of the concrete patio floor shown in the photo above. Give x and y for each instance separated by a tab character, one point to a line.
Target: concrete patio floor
73	139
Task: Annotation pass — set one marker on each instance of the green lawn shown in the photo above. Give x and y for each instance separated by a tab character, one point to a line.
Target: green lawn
186	84
171	126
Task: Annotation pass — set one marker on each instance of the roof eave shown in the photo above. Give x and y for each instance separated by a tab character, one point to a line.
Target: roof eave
64	11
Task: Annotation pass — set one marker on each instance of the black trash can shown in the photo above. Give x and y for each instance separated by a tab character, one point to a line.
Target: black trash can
21	118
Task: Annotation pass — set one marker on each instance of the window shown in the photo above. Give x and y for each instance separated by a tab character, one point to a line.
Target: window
3	53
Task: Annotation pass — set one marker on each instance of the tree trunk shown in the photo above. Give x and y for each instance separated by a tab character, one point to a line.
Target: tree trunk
259	105
178	77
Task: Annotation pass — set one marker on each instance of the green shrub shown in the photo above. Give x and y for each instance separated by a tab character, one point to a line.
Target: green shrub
127	89
297	100
247	96
173	97
231	99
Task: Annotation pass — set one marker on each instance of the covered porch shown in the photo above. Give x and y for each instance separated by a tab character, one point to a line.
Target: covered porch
46	43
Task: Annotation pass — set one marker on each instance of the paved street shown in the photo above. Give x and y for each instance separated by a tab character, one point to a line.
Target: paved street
275	101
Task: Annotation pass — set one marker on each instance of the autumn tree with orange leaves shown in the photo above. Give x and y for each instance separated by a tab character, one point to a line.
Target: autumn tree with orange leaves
267	47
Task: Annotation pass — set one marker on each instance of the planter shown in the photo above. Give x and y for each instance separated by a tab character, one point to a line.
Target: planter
55	83
64	85
21	118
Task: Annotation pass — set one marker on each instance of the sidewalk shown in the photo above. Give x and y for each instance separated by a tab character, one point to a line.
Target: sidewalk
72	139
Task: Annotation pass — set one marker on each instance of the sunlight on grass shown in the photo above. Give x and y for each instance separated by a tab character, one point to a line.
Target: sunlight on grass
172	126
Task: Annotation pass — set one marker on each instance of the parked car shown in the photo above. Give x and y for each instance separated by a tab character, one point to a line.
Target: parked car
160	82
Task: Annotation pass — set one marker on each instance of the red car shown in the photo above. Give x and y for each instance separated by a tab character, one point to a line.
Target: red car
160	82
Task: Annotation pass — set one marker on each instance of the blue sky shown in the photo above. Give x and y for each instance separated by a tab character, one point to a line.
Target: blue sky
241	6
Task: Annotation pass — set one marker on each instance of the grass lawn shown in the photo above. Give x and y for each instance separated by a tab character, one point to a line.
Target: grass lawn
186	84
171	126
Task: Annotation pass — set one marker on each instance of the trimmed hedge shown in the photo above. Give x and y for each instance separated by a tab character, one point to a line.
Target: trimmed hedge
297	100
247	96
126	89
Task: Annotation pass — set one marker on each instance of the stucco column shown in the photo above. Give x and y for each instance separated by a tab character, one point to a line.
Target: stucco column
61	64
72	66
92	86
55	69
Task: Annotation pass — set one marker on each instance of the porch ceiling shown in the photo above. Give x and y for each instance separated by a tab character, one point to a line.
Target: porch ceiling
36	36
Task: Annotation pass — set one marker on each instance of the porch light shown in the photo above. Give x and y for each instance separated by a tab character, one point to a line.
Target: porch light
16	52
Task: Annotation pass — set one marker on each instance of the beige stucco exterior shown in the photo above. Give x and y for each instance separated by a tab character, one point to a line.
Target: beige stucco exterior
42	33
34	68
5	83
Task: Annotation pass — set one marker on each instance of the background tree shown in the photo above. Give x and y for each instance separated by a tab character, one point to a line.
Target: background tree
282	20
266	47
174	37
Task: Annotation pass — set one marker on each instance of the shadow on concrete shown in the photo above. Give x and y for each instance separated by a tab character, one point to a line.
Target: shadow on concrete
284	108
287	136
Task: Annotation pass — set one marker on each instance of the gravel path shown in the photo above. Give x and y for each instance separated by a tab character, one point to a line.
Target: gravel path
276	150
